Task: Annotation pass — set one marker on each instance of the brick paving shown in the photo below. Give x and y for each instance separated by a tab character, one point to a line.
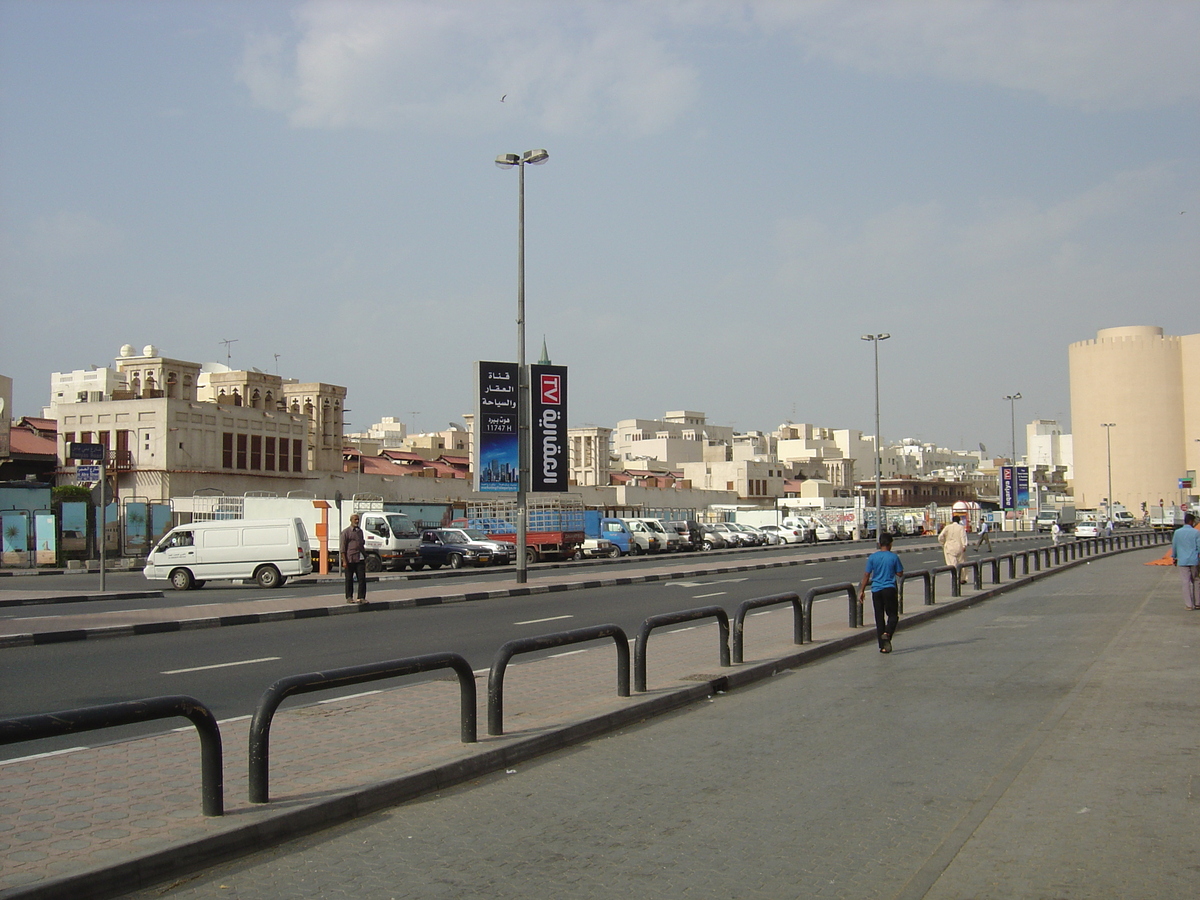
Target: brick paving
746	764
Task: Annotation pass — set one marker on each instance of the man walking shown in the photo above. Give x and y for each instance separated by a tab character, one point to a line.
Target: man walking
882	568
985	534
351	551
1185	551
953	539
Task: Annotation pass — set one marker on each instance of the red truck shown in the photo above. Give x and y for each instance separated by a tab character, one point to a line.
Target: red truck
554	529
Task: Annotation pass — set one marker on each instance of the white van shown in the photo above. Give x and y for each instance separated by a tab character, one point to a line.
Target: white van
268	551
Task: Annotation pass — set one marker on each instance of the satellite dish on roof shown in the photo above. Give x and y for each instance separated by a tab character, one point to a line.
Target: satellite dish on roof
982	449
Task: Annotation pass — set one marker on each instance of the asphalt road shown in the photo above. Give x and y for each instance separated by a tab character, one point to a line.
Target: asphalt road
229	668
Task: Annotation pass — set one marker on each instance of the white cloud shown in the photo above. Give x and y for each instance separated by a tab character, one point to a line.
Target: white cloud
1098	54
447	64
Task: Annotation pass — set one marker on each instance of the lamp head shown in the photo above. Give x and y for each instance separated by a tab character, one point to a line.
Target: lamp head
535	157
507	160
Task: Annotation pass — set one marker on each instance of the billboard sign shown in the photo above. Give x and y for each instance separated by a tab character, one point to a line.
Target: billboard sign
497	466
1014	487
550	466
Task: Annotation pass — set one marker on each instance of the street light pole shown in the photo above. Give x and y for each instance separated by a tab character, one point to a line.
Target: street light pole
875	339
1108	427
1012	408
507	161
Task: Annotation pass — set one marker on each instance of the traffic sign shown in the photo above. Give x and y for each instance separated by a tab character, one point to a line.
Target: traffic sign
85	451
87	473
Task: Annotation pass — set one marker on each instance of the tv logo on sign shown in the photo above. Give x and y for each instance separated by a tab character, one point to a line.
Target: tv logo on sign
551	389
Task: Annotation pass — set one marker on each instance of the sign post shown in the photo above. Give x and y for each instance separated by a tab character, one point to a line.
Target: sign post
96	453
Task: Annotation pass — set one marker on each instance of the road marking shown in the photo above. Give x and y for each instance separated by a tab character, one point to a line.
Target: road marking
765	612
350	696
566	653
681	630
36	756
704	583
540	621
715	594
219	722
818	578
241	662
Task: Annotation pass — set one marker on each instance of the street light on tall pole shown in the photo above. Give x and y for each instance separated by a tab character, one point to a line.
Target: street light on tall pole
508	161
1108	427
1012	411
875	339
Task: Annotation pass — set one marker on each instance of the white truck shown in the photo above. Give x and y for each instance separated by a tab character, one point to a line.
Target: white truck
392	540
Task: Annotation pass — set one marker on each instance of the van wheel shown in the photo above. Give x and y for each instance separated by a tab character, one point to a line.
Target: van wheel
614	553
578	554
635	549
374	563
268	577
181	580
454	560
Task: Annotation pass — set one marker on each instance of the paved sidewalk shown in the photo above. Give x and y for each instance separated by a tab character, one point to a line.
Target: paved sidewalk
128	813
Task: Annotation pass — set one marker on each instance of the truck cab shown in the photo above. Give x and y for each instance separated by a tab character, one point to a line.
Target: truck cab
392	541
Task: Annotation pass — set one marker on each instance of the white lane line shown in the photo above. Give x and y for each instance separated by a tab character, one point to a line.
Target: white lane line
681	630
714	594
818	578
765	612
36	756
704	583
350	696
567	653
241	662
219	722
540	621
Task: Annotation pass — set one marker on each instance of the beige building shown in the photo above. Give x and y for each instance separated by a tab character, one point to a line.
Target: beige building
1145	384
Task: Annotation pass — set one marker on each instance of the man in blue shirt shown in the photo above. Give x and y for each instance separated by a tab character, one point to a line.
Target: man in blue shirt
882	568
1185	550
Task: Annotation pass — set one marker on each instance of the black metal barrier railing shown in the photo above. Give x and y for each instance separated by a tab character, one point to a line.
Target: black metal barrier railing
739	619
676	618
955	578
1011	559
851	590
974	566
260	725
927	577
130	712
545	642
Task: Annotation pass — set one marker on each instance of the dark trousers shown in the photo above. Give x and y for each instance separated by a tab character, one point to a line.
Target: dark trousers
356	570
887	612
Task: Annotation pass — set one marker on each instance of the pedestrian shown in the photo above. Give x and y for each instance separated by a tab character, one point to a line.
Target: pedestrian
1056	533
985	534
953	539
354	559
882	568
1185	551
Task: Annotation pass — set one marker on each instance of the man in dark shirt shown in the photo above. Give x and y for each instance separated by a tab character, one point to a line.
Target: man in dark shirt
352	553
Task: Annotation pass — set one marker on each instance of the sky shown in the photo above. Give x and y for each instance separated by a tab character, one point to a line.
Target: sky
735	193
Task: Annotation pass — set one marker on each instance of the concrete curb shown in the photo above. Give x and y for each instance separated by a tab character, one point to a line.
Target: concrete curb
345	806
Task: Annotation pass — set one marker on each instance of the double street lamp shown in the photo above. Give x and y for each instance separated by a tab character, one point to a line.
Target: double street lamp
875	339
508	161
1012	410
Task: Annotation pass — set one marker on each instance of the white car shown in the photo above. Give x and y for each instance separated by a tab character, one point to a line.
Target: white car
765	537
1087	529
786	535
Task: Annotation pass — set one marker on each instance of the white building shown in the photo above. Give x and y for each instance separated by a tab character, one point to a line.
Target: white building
679	437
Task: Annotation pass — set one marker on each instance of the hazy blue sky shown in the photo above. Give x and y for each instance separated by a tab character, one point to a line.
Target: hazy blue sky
735	193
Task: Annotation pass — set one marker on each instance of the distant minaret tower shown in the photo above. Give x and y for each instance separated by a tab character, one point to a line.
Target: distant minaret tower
545	360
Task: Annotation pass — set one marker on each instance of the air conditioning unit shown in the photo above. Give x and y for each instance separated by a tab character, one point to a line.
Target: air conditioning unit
96	396
81	397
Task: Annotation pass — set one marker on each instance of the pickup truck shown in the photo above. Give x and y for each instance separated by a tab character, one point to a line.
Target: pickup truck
459	547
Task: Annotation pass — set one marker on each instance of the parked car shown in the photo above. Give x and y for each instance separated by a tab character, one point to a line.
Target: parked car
787	534
668	537
689	532
762	537
459	547
733	538
712	538
597	547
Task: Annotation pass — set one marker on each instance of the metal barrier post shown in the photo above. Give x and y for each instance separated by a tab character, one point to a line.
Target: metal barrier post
110	715
739	620
545	642
926	576
676	618
260	725
851	592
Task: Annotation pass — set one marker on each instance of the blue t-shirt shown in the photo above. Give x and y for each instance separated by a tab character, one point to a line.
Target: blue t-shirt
1185	546
883	567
